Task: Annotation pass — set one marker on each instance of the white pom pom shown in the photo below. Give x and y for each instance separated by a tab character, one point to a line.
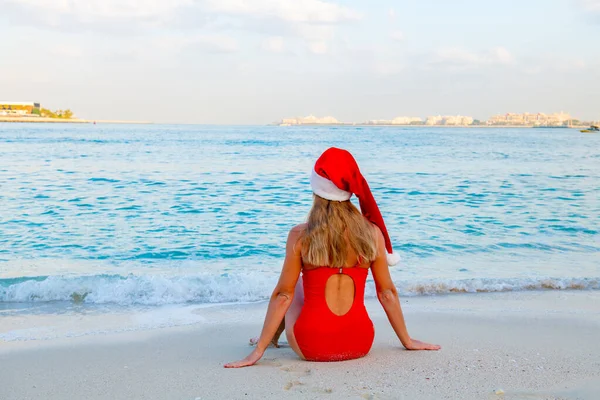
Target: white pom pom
393	259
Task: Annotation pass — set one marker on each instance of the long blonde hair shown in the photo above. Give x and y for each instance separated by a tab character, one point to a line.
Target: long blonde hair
333	227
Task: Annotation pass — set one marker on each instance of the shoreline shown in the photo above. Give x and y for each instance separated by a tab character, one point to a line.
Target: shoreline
433	126
358	125
68	121
496	346
42	120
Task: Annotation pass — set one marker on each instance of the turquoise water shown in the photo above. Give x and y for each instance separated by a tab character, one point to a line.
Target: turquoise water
168	214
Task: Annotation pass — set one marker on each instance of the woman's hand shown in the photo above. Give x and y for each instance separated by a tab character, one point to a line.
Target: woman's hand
418	345
248	361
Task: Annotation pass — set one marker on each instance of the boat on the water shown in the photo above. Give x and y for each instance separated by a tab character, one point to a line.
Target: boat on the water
591	129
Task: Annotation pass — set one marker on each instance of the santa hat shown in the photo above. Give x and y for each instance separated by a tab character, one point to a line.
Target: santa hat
336	177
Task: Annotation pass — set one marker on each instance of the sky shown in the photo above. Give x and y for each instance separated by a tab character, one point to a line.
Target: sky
257	61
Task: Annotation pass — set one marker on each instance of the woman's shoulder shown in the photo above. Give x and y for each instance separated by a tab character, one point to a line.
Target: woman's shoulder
376	229
294	242
379	235
298	230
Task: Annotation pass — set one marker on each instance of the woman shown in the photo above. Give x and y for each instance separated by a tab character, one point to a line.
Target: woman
323	312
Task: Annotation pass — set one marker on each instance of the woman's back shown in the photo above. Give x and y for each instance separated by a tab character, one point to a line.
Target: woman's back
333	324
340	289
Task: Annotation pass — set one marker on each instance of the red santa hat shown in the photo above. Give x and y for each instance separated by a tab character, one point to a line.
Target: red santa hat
336	177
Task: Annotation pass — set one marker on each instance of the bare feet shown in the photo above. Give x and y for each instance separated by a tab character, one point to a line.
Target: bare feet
254	340
275	340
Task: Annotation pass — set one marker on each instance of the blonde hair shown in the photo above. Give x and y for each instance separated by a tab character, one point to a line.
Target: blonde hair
333	227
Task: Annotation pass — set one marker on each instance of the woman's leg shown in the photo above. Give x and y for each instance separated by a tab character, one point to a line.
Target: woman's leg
292	315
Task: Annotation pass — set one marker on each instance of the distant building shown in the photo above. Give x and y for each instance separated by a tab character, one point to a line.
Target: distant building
396	121
555	119
310	120
437	120
379	122
18	108
406	120
451	120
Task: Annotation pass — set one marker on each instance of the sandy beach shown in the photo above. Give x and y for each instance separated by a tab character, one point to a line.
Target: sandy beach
521	345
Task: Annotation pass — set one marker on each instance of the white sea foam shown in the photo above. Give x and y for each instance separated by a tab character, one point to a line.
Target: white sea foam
496	285
161	290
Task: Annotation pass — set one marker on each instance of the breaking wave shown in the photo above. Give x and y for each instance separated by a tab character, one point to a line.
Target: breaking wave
225	288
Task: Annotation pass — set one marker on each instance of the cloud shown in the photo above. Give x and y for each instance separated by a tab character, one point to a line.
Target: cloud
579	64
61	14
305	11
591	8
89	9
534	70
318	47
316	37
590	5
100	14
314	21
388	67
273	44
500	55
210	43
397	36
392	13
216	43
66	50
458	58
314	33
555	64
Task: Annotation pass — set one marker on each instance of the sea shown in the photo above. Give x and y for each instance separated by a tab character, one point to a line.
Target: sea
108	219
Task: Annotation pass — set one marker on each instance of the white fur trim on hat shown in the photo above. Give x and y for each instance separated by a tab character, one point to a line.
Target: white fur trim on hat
393	259
326	189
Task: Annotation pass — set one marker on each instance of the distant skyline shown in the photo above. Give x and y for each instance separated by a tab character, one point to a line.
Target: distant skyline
256	61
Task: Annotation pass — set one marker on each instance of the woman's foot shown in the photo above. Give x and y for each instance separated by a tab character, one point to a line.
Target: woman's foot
275	340
254	340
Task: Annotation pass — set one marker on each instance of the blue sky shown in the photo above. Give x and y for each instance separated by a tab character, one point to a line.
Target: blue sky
256	61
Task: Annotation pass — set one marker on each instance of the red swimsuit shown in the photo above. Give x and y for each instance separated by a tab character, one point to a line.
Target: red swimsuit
325	336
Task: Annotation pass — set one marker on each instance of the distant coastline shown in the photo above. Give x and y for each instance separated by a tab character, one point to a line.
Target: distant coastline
42	119
362	125
33	112
508	120
38	120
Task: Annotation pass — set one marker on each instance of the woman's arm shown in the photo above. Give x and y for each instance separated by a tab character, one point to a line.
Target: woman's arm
388	297
280	299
